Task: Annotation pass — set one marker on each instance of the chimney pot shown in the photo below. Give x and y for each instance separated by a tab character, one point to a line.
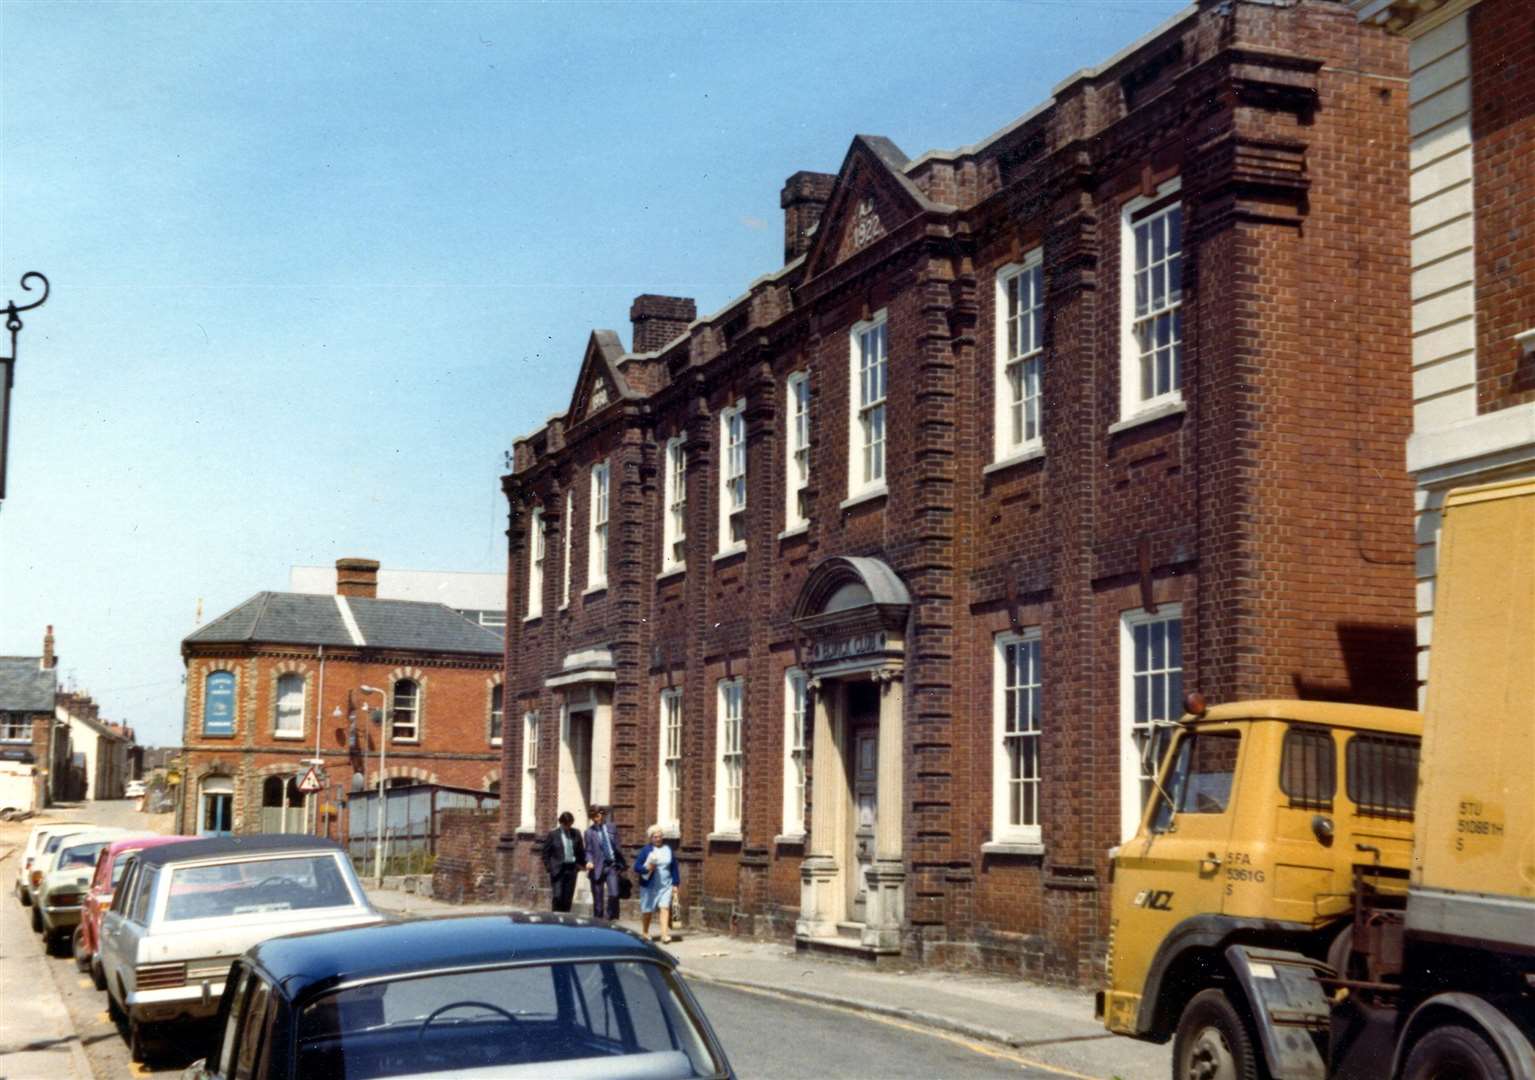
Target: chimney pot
50	658
659	320
804	198
357	577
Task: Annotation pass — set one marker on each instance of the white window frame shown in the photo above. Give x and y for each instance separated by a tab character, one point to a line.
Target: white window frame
278	731
1020	352
1134	362
729	757
669	786
867	397
597	548
15	727
1024	686
796	448
536	554
674	522
497	718
1133	781
570	531
529	771
416	705
733	478
796	698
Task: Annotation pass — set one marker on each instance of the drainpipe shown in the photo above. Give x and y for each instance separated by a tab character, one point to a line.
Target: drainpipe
312	799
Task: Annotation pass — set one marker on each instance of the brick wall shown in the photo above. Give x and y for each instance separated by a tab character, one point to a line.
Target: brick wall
1502	34
1272	506
465	871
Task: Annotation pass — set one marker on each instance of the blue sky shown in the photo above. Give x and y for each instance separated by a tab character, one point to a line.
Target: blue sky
315	266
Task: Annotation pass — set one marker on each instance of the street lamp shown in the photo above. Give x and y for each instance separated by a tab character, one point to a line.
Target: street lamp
383	757
13	312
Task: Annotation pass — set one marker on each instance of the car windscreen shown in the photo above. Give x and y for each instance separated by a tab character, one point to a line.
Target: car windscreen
80	855
281	883
615	1019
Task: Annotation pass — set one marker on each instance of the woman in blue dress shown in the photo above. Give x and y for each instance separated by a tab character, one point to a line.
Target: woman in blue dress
657	870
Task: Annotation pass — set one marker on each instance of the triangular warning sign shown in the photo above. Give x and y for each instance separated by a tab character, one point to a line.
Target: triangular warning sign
311	781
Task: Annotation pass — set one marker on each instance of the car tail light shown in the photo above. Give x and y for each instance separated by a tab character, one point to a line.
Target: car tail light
37	878
212	967
160	976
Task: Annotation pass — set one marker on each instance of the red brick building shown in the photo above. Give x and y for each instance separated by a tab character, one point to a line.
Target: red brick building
870	586
1470	158
281	678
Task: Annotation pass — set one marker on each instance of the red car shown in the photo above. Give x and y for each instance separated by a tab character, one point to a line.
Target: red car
110	865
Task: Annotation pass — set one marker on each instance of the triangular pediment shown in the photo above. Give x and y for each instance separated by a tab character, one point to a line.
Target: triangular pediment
600	383
872	198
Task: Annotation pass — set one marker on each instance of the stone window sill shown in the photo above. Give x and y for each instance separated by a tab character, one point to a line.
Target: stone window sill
863	497
532	618
1033	453
671	572
729	553
404	742
789	840
724	838
1149	415
795	530
1012	847
290	736
526	831
601	586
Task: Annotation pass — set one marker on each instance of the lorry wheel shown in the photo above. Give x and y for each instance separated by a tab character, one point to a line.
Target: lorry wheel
1454	1053
1213	1043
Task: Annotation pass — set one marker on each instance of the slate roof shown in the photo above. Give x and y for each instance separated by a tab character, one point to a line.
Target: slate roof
309	619
25	686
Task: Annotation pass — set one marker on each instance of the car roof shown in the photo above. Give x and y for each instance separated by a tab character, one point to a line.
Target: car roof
1326	713
234	847
315	961
144	842
90	836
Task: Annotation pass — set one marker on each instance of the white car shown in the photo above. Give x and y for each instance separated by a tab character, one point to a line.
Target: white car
184	912
56	900
36	841
134	790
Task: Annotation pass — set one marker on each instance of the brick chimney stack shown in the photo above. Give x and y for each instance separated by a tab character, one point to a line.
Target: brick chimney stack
357	577
658	320
803	199
50	659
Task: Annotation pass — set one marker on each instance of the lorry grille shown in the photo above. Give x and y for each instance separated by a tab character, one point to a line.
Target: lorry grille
160	976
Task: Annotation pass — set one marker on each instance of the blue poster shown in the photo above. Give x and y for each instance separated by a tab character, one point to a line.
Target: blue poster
219	704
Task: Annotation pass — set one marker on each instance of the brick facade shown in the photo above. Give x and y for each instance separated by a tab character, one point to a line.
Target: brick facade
1264	498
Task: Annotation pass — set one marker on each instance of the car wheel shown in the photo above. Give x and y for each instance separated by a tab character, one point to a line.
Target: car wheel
77	948
1454	1053
114	1010
37	920
136	1041
1213	1042
98	976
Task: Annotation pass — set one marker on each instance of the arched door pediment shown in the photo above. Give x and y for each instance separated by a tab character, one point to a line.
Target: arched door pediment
852	613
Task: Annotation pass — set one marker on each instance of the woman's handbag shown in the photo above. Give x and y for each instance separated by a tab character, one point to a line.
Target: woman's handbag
625	887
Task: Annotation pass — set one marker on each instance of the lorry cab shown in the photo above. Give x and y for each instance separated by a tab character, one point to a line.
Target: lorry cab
1260	813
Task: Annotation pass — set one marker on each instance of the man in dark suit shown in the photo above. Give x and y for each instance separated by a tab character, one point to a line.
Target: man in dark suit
604	862
564	856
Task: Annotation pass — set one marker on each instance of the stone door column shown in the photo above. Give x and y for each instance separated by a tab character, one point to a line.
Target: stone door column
886	880
823	900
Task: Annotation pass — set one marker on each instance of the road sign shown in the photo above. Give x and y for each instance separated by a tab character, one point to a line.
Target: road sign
311	781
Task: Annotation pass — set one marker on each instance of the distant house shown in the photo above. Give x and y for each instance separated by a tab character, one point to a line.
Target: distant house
28	687
98	750
289	676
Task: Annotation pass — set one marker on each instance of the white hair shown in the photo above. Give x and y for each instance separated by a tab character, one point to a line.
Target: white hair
653	830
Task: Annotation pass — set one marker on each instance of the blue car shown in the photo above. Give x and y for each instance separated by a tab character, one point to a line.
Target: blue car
507	996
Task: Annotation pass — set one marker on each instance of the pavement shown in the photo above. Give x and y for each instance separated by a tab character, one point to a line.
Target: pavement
1048	1027
37	1038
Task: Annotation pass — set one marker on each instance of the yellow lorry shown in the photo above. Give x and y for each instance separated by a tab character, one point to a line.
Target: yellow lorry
1311	894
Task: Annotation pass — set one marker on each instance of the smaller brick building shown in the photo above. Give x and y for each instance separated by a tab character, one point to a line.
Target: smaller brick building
286	677
28	688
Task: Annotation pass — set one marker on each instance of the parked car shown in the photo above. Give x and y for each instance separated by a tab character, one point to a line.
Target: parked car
507	996
43	864
37	839
184	912
56	901
111	864
134	790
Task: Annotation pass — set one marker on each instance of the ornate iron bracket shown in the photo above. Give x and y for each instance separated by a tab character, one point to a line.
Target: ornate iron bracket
13	324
